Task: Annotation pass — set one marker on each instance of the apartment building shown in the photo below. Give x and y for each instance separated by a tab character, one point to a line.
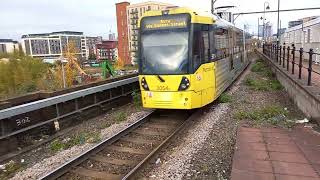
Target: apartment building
8	46
135	11
127	25
306	35
91	44
107	50
50	46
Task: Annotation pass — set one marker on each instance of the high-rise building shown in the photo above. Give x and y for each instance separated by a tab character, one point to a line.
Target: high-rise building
267	28
112	36
135	11
91	44
8	46
122	26
50	46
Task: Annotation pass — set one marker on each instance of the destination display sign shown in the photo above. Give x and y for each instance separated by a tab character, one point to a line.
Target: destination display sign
165	22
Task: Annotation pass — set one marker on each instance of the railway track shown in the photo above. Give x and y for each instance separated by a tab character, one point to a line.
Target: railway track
38	117
120	156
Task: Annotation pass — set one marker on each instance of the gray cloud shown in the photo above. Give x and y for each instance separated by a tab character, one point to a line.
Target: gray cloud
97	17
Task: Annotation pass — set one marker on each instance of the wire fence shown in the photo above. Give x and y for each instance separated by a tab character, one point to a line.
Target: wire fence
295	61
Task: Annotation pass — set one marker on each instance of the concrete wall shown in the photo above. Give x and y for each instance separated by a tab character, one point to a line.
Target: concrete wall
307	98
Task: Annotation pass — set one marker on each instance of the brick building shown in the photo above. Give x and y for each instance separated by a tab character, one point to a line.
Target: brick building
107	50
135	12
122	26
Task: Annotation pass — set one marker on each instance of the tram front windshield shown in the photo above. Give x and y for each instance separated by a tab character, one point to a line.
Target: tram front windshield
164	44
165	52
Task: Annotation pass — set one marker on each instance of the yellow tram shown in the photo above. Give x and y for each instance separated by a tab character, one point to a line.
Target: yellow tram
187	59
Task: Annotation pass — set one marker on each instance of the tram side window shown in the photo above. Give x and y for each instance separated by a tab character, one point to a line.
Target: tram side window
198	53
221	43
205	37
239	43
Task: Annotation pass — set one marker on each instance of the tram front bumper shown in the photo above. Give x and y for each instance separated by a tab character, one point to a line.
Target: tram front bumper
171	100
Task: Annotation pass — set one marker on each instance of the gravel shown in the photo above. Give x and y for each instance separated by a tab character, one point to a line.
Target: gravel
179	162
49	164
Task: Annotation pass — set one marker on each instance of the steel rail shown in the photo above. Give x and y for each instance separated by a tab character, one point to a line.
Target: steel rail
132	173
94	150
21	109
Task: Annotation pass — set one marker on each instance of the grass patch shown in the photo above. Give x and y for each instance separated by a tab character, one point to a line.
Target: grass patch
120	116
274	115
105	126
136	96
263	84
10	168
82	138
261	68
224	98
57	145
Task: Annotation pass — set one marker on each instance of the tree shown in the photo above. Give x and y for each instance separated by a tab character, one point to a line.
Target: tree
71	67
20	74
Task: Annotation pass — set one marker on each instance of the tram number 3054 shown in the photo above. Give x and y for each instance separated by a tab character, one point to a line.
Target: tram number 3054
163	88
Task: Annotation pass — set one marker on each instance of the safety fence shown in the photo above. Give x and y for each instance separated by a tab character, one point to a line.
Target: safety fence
294	61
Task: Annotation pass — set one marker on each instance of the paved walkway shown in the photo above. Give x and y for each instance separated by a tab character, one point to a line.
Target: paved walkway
276	154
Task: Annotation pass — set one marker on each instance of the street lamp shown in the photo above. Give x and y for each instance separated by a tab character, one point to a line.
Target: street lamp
265	7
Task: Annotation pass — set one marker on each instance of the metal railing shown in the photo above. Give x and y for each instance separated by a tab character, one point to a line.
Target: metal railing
290	57
45	111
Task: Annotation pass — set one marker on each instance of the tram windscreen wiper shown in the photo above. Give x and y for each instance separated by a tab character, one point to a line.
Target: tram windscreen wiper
153	72
160	78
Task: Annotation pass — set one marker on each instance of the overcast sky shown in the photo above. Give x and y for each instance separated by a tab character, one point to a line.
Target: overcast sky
97	17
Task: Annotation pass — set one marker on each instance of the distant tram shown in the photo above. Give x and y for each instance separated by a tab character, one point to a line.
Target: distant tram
187	59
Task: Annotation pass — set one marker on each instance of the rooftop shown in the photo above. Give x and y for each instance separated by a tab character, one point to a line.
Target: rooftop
150	3
7	41
53	33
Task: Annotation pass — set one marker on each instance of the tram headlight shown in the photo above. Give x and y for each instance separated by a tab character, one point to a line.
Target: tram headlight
185	84
144	84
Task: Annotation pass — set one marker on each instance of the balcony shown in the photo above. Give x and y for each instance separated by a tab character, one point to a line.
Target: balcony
134	17
134	49
134	22
134	11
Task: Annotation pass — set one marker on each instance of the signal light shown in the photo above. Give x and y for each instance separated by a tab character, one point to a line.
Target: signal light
144	84
185	84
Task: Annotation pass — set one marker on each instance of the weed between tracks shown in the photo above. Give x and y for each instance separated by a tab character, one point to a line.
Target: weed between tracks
10	168
120	116
91	137
136	96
